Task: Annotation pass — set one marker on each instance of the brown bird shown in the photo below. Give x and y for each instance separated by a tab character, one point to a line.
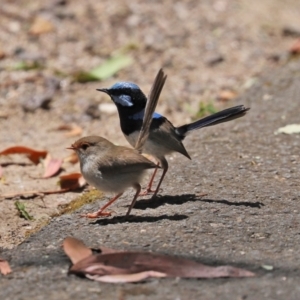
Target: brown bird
110	168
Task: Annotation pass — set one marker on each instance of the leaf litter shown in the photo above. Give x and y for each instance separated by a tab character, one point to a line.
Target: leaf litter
33	155
22	211
52	166
289	129
4	267
127	266
67	183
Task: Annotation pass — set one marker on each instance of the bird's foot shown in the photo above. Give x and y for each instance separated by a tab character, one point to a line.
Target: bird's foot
146	192
97	214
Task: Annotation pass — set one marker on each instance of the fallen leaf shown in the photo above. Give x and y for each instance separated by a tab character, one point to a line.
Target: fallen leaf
52	166
22	211
4	267
289	129
226	95
267	267
126	277
34	155
295	48
40	25
111	66
71	181
67	182
106	70
76	249
135	266
72	158
74	130
2	54
205	109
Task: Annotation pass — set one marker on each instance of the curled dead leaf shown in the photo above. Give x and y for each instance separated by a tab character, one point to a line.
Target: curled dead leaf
34	155
136	266
73	129
71	181
226	95
76	249
4	267
52	166
126	277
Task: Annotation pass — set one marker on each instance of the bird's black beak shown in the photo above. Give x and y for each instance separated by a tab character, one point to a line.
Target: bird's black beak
106	91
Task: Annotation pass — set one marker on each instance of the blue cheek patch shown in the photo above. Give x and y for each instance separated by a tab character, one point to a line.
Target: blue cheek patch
124	100
156	116
140	115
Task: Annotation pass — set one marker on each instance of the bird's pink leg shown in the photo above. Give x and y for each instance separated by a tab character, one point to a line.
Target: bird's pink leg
138	189
101	212
149	190
165	170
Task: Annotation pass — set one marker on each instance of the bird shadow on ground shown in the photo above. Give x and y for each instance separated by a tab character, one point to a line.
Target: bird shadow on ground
138	219
181	199
256	204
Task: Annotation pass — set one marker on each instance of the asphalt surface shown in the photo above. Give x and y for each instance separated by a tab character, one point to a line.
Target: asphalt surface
249	218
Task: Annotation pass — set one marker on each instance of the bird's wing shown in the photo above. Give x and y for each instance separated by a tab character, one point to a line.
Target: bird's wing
163	133
125	160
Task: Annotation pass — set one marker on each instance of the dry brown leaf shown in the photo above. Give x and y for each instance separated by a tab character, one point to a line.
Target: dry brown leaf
76	249
4	267
295	49
226	95
116	266
74	130
71	181
52	166
126	277
34	155
2	54
72	158
67	182
40	25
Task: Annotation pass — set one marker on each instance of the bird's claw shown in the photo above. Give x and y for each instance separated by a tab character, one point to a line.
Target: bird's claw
146	192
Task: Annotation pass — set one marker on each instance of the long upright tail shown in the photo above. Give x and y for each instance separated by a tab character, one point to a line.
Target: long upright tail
214	119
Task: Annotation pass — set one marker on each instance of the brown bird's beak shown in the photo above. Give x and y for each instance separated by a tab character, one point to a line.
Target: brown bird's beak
71	148
103	90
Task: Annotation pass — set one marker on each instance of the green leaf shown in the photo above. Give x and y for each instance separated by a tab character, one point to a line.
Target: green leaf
25	66
22	211
205	109
106	70
111	66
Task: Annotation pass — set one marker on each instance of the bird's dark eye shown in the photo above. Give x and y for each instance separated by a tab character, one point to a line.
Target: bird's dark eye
84	146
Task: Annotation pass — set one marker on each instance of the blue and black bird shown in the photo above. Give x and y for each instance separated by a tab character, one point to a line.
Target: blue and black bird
164	137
